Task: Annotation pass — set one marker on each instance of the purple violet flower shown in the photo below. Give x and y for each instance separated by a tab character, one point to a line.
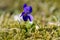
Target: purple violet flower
26	14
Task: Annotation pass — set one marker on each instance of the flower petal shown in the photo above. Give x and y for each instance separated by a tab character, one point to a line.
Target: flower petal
25	5
22	13
30	10
30	17
25	18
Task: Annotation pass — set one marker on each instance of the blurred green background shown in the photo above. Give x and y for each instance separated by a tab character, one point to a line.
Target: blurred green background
46	15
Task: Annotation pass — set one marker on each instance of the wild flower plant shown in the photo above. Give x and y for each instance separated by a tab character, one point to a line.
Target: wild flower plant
26	14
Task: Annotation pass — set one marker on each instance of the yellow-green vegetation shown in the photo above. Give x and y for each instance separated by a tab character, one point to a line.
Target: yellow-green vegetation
46	15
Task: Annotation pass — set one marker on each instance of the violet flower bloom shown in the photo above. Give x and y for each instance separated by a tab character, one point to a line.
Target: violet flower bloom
26	14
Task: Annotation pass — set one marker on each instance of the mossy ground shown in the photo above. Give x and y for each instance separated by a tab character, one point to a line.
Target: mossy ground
46	16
